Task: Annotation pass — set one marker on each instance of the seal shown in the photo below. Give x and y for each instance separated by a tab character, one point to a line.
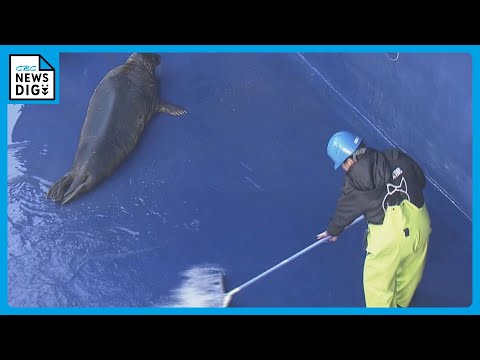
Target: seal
121	106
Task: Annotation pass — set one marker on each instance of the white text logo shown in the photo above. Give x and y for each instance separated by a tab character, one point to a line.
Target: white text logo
31	78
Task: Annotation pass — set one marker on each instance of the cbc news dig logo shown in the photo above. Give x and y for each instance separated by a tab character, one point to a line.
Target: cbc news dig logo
31	78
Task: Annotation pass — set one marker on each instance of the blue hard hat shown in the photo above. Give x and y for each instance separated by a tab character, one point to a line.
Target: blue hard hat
341	145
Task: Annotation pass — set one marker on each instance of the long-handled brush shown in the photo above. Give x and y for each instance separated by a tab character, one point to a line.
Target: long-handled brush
205	287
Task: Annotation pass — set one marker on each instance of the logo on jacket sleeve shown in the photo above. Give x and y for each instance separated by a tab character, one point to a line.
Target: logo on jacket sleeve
396	173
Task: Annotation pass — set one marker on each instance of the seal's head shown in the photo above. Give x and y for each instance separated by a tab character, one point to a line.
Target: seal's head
150	60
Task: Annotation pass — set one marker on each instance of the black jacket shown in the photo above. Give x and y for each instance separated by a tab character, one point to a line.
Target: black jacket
364	191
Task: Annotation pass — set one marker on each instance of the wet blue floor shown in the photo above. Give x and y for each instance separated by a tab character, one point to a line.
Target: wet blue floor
242	181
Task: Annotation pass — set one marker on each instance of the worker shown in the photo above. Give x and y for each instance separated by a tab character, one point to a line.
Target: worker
386	187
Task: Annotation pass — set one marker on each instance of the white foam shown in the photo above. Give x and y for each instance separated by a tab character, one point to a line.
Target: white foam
202	286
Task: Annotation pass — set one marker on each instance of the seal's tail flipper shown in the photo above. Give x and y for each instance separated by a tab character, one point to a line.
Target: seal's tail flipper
79	185
171	109
58	189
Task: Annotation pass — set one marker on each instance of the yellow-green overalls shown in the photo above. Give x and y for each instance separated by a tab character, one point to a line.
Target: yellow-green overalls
396	255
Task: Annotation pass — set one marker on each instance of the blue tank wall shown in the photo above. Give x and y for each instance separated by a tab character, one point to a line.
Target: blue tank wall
420	102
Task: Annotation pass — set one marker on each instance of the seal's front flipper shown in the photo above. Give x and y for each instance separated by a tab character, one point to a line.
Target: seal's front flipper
171	109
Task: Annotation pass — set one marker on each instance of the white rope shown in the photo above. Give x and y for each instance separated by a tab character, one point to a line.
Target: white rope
398	54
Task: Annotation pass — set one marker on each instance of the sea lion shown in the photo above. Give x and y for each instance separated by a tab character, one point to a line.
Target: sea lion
121	106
